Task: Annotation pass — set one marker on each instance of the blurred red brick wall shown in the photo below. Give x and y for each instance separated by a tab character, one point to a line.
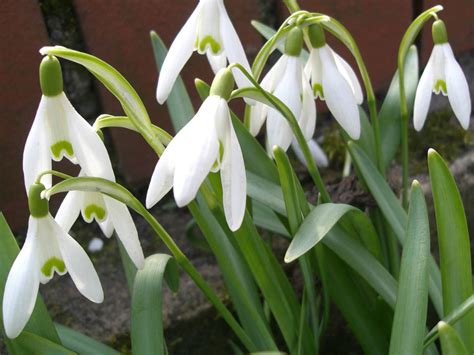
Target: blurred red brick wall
119	34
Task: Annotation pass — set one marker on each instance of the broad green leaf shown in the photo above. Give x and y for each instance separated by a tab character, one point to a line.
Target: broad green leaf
179	104
266	218
82	344
29	343
147	301
366	140
266	192
412	298
40	322
454	244
389	115
394	214
114	81
129	267
451	342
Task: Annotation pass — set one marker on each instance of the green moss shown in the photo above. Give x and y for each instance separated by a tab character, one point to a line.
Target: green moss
333	145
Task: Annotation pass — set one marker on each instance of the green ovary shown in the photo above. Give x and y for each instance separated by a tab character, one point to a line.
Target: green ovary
59	147
440	86
318	90
208	40
91	210
53	263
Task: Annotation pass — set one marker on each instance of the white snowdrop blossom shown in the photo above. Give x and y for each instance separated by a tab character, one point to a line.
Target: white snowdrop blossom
59	131
207	143
209	31
334	81
320	158
442	74
109	213
288	82
47	249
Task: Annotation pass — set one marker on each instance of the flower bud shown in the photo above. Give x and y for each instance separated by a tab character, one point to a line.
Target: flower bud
223	84
440	35
316	36
39	207
51	77
294	42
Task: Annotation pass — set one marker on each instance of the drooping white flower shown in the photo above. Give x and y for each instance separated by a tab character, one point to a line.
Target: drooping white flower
320	158
47	249
288	82
334	81
59	131
442	74
109	213
209	31
207	143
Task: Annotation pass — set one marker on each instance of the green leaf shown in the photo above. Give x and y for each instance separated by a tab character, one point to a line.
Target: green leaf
412	297
451	342
389	115
40	322
147	299
129	267
394	214
82	344
179	104
454	244
29	343
266	218
367	139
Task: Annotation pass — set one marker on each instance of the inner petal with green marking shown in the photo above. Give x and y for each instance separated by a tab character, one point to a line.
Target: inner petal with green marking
61	148
94	211
318	91
209	41
52	264
440	87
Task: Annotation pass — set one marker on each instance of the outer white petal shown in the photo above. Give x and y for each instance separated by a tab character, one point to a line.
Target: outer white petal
348	73
126	230
78	265
233	47
89	149
423	96
36	156
307	119
178	54
339	96
22	286
217	62
234	182
107	227
318	154
69	210
258	114
458	89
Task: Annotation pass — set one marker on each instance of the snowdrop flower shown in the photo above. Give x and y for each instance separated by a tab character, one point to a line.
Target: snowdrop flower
334	81
442	75
288	82
109	213
209	31
47	249
59	131
207	143
320	158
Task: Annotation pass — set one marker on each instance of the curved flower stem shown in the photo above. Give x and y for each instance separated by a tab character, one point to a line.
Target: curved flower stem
53	173
286	112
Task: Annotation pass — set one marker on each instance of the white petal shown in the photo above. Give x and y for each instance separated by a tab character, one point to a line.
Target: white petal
233	47
258	114
458	89
313	70
234	182
217	62
36	157
339	96
126	230
318	154
423	96
178	54
348	73
275	74
307	119
89	149
21	288
107	227
69	210
78	265
200	152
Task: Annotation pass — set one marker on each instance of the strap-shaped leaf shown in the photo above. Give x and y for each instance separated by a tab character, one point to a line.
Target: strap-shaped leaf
29	343
147	301
451	342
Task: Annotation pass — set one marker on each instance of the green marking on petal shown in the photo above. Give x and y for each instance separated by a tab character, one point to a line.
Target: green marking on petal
94	210
318	91
209	40
53	263
59	147
440	86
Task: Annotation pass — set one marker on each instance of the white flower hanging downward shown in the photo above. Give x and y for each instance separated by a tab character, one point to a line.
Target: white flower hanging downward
47	249
59	131
207	143
287	81
442	74
209	31
334	81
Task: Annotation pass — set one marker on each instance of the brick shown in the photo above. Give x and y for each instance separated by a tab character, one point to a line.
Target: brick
22	33
119	34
